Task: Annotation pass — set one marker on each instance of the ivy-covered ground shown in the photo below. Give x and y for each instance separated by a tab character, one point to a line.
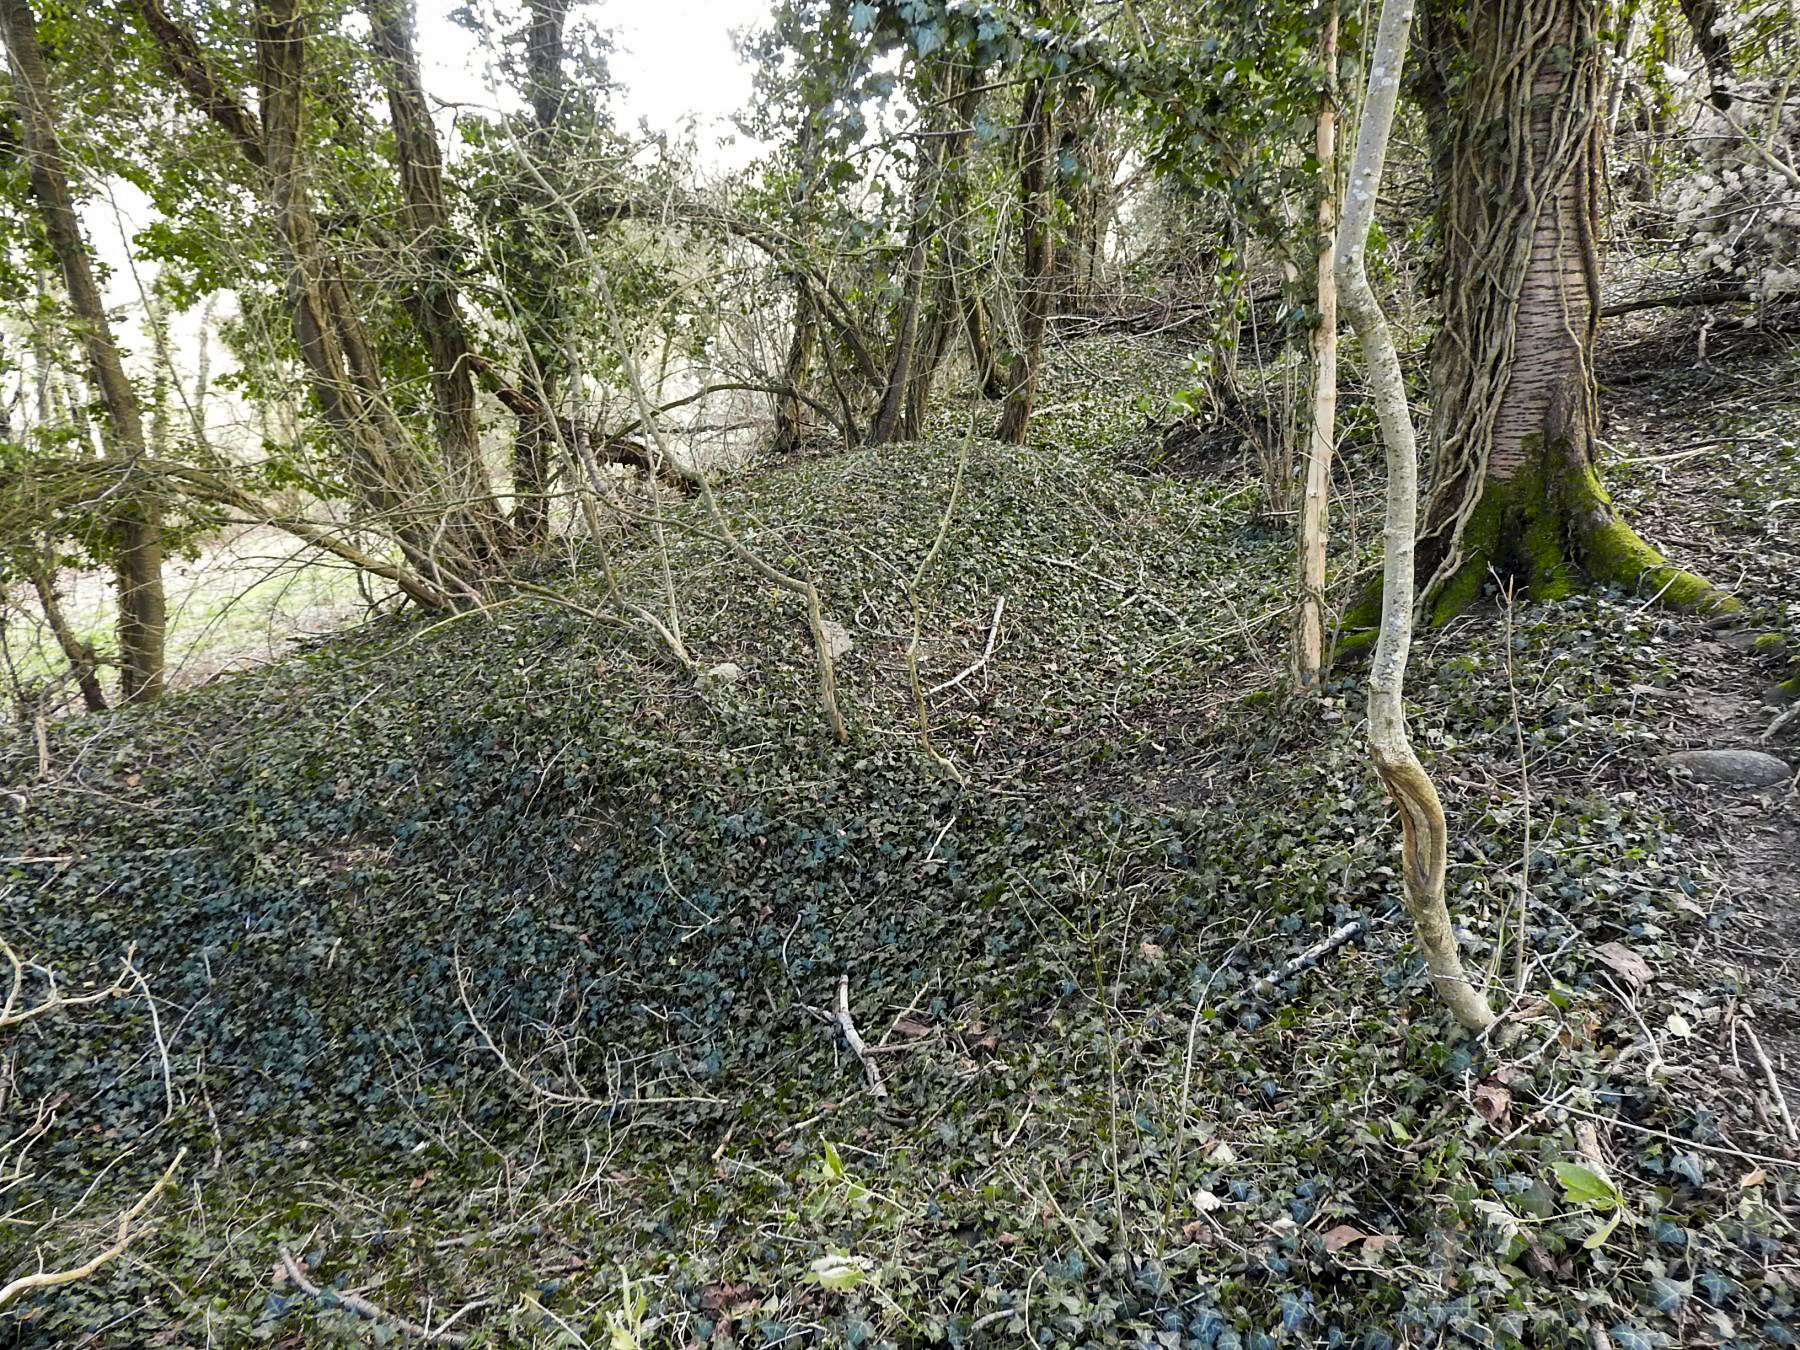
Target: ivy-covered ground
497	967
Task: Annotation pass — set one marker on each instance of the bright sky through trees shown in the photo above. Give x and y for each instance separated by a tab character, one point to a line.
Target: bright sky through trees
674	59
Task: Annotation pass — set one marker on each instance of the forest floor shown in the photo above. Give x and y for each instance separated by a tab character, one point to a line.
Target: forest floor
504	979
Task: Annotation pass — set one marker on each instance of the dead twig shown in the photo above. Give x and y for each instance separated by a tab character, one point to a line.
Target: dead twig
854	1039
986	654
1775	1091
356	1303
49	1279
1323	947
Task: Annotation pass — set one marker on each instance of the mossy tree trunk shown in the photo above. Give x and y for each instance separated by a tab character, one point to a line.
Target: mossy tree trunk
1518	155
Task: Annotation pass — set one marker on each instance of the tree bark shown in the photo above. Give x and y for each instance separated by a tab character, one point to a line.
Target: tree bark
536	260
1321	437
436	308
83	663
137	524
1424	832
1086	164
790	411
1039	260
1517	487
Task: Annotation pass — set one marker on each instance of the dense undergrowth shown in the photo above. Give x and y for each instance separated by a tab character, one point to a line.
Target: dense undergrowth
496	962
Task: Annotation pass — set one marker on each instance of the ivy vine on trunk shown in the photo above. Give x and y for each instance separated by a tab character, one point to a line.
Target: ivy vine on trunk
1518	121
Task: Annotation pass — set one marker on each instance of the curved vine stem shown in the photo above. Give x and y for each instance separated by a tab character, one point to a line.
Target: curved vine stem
1424	829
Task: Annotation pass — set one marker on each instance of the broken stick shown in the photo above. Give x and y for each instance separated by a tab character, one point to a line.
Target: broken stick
853	1038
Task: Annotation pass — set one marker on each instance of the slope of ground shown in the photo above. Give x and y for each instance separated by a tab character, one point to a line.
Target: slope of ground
502	974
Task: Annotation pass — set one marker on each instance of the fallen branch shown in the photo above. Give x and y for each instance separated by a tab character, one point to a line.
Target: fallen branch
356	1303
12	1014
1775	1091
1781	720
987	652
49	1279
854	1038
1705	295
1323	947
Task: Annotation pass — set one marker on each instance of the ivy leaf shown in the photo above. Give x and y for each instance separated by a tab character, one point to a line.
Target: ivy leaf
840	1271
862	17
1597	1238
1585	1187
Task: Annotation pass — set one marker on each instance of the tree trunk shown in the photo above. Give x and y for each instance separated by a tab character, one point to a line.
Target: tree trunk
436	309
137	524
540	253
889	424
1039	262
439	531
891	420
940	319
1518	160
963	286
790	411
1423	828
337	349
83	663
1309	623
1085	168
921	328
1715	48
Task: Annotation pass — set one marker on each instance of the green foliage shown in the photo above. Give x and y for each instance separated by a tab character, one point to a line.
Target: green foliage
643	888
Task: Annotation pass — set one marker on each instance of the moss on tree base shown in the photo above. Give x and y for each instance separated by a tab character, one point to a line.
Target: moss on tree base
1559	531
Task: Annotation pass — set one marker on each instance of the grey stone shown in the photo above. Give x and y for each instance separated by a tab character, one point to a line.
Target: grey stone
838	643
1731	768
726	672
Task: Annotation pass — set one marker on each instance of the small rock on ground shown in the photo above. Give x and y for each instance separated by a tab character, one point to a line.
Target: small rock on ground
1731	768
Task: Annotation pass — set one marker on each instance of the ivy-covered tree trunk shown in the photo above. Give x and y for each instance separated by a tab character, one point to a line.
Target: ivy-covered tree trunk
535	262
436	307
790	411
1714	41
1517	144
136	524
1039	259
1085	162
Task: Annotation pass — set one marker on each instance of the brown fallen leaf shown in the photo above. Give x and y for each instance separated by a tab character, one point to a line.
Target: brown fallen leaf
1621	959
1493	1103
717	1296
1342	1236
910	1026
